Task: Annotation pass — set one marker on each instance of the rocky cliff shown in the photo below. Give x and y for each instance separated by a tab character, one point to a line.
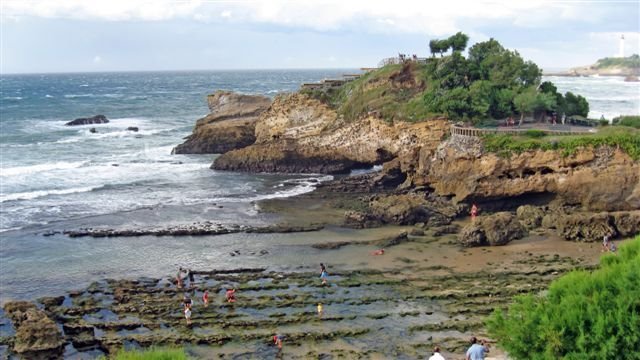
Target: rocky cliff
301	134
597	179
230	125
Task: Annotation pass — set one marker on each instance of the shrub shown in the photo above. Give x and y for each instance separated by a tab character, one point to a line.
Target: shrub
627	120
584	315
534	133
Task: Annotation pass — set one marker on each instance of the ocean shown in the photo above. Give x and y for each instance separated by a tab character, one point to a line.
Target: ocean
55	177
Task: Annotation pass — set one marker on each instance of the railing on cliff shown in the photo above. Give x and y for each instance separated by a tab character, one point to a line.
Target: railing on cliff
476	132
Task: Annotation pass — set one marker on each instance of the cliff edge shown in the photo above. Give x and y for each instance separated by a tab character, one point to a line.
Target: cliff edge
230	125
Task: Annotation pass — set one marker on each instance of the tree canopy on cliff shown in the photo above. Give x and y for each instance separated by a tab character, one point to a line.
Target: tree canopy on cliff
584	315
490	83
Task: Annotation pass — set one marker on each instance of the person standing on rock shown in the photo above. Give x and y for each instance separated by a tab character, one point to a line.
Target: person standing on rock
277	340
231	295
323	274
205	298
192	281
436	354
187	315
320	310
605	243
179	278
474	211
477	351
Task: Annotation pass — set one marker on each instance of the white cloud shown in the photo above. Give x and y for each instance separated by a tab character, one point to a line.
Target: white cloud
112	10
404	16
97	59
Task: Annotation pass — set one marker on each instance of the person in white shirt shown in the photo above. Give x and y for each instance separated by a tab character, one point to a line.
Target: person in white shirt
436	354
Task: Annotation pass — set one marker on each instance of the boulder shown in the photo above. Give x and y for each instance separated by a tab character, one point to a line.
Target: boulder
98	119
37	336
447	229
360	220
530	216
93	130
627	223
392	240
501	228
405	209
51	301
495	230
133	128
230	125
472	235
586	227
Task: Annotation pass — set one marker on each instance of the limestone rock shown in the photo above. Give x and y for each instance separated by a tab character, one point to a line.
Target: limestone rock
627	223
98	119
230	125
301	134
587	227
37	336
530	216
495	230
599	179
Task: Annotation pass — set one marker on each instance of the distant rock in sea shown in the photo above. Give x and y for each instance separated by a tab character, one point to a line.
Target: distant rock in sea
133	128
98	119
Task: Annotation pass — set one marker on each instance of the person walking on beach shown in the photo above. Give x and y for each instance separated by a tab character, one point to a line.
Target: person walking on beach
477	351
205	298
436	354
323	274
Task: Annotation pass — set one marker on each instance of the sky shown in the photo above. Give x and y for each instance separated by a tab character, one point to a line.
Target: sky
144	35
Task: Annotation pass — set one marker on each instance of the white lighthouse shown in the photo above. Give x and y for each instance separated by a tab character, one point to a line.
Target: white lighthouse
621	46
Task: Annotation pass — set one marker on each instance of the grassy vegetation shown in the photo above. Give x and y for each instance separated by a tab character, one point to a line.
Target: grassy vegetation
585	315
152	354
632	61
394	92
627	120
626	138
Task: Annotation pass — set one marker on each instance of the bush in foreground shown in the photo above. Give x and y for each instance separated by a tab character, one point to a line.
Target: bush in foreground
152	354
585	315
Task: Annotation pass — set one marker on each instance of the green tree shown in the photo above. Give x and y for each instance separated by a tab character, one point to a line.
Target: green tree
502	103
576	105
481	97
526	102
452	71
458	41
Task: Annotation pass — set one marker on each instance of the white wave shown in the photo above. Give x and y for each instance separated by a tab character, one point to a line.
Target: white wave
12	98
40	193
84	85
48	96
25	170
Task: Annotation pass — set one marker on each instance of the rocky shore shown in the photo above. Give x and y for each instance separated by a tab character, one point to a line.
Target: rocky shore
419	296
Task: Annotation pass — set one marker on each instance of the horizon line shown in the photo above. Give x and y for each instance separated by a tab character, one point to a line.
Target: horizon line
172	70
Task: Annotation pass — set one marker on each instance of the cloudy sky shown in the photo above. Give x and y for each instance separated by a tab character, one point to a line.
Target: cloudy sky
118	35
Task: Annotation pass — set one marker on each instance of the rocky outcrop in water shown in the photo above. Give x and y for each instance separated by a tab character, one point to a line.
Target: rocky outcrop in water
230	125
98	119
37	336
301	134
598	179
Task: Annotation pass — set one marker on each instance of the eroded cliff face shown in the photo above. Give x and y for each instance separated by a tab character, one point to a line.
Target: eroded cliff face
230	125
300	134
600	179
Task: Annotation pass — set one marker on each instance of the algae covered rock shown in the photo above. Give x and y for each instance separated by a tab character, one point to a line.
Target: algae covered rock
495	230
37	336
627	223
530	216
587	227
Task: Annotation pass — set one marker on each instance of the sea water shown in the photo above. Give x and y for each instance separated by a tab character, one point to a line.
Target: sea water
55	177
